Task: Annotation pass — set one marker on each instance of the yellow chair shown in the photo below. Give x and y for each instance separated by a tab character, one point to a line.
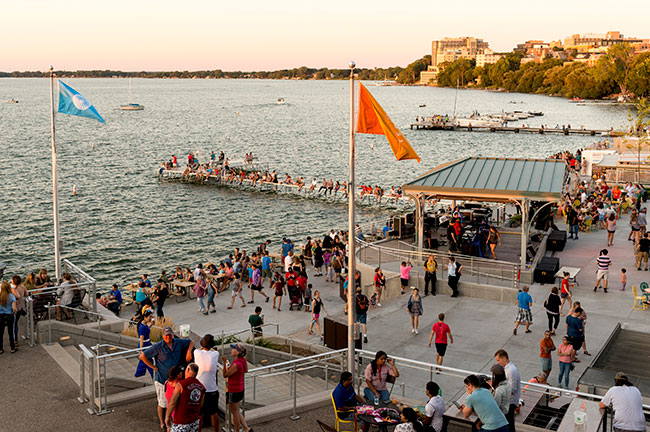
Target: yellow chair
639	300
338	421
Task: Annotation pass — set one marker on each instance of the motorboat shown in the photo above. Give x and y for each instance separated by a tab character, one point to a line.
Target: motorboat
11	101
281	101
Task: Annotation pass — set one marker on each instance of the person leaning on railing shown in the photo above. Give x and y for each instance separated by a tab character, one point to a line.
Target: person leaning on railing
627	403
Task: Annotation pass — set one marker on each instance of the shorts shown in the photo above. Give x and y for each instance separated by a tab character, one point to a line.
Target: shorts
362	318
547	364
235	397
564	295
405	282
190	427
316	316
160	394
266	273
524	315
577	341
210	403
234	293
256	287
611	232
602	274
441	349
337	270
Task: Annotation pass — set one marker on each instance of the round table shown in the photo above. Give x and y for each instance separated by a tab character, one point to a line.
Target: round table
371	420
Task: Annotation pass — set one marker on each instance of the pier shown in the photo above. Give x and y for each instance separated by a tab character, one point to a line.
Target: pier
385	201
448	126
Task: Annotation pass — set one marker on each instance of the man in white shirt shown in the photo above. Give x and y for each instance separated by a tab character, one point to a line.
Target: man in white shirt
197	271
627	403
514	379
288	261
435	408
208	361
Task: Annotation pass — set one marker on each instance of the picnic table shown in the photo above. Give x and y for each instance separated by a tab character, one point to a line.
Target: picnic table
184	287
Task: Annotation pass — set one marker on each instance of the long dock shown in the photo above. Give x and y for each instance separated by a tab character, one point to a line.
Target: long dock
429	125
386	201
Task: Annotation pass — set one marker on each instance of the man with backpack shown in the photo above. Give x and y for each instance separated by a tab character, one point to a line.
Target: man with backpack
362	303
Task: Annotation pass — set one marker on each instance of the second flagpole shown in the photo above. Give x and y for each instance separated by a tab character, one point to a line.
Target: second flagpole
55	187
351	235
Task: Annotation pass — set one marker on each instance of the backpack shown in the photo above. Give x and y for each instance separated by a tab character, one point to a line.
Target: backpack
362	301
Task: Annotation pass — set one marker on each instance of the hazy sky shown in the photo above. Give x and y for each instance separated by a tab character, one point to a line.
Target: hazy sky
267	35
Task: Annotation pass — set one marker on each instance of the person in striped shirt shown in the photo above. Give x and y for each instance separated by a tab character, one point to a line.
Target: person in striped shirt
603	262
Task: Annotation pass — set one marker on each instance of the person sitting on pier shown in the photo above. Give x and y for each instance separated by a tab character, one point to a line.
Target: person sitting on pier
323	187
330	186
337	186
314	183
300	182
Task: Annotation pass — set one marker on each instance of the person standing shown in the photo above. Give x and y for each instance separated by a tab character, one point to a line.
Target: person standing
453	273
404	274
481	402
167	353
626	401
573	221
207	359
235	384
611	229
644	248
493	239
266	269
361	303
552	306
20	293
546	346
144	331
524	315
414	307
566	356
316	306
7	311
565	292
186	403
500	388
380	284
256	322
430	277
603	262
575	330
160	295
512	374
440	330
236	288
583	318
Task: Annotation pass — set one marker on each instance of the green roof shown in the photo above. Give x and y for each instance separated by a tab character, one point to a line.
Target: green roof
494	178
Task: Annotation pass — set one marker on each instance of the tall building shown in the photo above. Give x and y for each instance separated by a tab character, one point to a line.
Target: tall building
450	49
583	42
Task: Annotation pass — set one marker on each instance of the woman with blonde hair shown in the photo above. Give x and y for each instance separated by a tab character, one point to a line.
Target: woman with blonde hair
7	311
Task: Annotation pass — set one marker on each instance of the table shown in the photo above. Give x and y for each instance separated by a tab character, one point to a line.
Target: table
381	426
593	417
573	274
184	285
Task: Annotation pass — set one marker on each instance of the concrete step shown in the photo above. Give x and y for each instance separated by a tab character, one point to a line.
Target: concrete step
64	359
281	409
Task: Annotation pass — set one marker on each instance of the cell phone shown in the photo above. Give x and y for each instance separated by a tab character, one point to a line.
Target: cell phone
457	405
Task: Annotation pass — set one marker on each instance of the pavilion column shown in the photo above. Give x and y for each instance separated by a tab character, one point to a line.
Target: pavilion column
524	231
419	216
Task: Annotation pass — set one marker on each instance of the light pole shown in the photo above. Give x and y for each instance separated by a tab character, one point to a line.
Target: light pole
351	232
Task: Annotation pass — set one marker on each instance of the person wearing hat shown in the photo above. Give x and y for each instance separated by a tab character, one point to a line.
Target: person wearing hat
627	403
235	384
207	359
168	352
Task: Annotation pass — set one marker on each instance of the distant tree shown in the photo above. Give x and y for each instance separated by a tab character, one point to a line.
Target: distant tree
411	74
618	62
638	79
639	129
460	72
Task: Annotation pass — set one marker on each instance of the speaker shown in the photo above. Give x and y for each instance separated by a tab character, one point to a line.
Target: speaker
556	241
543	218
546	269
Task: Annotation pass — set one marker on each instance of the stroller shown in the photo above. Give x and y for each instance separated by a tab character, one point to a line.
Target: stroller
295	297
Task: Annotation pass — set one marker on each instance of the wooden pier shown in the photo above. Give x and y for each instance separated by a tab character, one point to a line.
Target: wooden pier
387	202
429	125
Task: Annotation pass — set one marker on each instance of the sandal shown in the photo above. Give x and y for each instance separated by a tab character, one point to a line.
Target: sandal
13	350
587	353
229	307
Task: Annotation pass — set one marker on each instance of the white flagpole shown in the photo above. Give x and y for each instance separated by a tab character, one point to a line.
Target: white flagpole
55	187
351	235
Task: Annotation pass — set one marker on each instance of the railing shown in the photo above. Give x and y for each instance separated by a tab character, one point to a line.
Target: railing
485	270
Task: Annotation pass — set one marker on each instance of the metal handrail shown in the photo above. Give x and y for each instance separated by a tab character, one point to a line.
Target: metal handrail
296	361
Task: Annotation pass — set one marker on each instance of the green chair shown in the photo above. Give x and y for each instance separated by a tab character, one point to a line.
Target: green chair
643	286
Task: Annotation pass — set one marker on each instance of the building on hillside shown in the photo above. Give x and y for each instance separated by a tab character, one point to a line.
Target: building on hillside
448	50
487	57
583	42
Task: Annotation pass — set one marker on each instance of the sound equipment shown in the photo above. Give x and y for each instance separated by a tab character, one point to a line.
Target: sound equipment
546	269
543	218
556	241
335	334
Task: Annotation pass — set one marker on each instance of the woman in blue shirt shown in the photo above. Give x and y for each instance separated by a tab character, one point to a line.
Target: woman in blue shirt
7	311
144	330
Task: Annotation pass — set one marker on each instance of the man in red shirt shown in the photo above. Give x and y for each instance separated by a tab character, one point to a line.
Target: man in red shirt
186	402
440	330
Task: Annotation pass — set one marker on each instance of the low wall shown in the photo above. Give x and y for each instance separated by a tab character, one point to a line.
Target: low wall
87	334
466	289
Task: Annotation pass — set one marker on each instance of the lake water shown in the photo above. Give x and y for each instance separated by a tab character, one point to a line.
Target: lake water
123	221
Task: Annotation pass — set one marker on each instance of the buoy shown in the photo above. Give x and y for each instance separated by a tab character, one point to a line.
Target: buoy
93	146
74	190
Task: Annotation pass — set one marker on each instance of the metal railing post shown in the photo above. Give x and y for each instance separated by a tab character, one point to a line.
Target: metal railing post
254	386
49	323
100	405
99	331
295	416
326	375
291	347
93	388
82	377
253	336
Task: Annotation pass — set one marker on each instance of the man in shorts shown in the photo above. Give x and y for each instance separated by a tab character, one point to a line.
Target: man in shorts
266	269
362	303
167	353
524	315
440	330
603	263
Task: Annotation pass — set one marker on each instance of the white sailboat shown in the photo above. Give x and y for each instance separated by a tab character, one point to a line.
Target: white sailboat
131	106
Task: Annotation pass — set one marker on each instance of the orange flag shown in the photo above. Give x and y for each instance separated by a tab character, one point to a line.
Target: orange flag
374	120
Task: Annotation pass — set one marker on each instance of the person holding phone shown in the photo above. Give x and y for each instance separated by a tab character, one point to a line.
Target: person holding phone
479	401
376	374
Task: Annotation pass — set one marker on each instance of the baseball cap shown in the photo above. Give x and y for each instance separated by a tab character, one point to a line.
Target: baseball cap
237	347
621	376
167	331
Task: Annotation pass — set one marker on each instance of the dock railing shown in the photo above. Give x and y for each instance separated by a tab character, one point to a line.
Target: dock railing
486	271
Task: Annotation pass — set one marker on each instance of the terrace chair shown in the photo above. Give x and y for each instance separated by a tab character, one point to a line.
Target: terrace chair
639	300
643	286
338	421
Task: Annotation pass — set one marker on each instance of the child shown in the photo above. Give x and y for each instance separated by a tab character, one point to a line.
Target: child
279	288
623	279
307	298
404	270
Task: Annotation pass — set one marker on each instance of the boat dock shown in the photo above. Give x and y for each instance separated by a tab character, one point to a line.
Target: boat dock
386	201
447	126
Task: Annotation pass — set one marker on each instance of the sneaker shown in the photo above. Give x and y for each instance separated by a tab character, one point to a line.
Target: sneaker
514	332
379	304
416	331
267	299
412	330
595	288
251	302
213	311
365	339
639	268
605	289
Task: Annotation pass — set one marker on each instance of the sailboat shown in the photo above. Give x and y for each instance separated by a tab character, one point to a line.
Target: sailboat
131	106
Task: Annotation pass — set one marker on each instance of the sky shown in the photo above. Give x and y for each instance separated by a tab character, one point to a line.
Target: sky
268	35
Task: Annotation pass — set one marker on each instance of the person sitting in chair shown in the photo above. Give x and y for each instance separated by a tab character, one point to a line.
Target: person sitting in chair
114	300
346	399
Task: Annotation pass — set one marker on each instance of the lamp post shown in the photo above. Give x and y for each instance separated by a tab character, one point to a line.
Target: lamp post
351	232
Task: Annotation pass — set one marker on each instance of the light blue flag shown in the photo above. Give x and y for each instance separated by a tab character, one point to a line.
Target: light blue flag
73	103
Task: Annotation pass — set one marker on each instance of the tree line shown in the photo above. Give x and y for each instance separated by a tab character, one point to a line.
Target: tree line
618	71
